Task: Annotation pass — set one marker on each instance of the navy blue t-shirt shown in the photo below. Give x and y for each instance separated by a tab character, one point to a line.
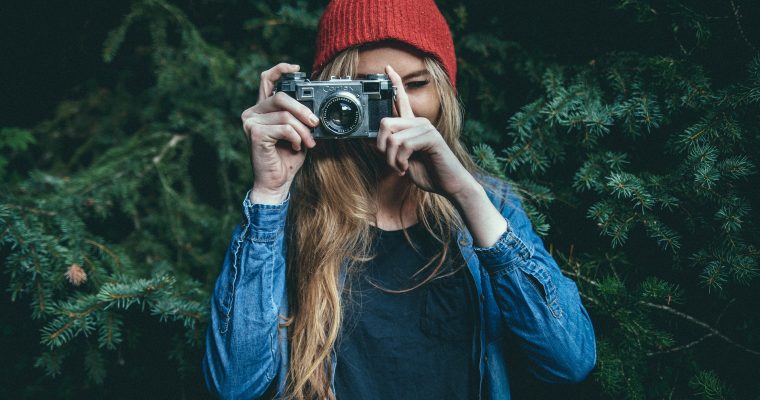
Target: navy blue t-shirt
415	345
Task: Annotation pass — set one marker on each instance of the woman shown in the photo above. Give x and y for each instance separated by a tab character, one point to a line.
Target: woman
388	267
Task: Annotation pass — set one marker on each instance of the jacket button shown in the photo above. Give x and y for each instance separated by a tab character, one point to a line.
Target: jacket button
485	357
482	297
463	242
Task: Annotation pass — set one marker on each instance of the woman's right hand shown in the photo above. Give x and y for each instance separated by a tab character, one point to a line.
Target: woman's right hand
278	132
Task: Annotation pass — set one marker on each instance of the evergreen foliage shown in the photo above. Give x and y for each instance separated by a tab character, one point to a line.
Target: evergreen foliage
638	164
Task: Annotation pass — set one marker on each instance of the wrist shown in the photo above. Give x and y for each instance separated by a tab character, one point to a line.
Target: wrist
472	193
266	196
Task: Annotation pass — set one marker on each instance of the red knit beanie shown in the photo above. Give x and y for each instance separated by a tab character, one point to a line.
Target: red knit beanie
418	23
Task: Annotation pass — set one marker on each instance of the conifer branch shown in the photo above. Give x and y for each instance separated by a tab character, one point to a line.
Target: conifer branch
737	18
106	250
712	330
176	138
704	325
32	210
683	347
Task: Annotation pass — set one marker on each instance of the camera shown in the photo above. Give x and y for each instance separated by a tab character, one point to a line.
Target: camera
346	108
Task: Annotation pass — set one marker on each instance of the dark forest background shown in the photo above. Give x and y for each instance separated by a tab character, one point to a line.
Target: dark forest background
631	128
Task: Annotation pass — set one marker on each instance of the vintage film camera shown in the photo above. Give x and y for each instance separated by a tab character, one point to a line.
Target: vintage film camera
346	108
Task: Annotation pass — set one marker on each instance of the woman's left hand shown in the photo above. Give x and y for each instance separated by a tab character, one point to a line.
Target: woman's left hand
413	146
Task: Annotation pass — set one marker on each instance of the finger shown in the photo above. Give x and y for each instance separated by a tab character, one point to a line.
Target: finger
248	113
402	100
270	76
398	143
389	126
281	101
285	117
287	133
417	143
272	133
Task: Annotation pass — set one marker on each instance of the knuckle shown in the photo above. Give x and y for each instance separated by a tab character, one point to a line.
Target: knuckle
255	133
247	114
292	131
285	117
248	124
281	98
305	111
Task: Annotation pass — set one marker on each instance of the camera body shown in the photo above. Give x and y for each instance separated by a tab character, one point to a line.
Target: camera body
346	108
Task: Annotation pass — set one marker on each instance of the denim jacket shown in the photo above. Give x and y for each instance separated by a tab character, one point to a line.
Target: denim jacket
524	301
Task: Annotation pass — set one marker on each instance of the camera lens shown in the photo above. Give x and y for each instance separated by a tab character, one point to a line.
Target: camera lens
341	114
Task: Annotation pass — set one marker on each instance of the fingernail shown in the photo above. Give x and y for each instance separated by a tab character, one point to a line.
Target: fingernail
295	65
313	119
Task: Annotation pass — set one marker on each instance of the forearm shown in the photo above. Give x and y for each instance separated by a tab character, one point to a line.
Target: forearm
483	220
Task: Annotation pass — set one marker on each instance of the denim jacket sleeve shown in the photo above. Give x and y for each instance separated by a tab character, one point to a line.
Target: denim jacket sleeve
539	305
242	357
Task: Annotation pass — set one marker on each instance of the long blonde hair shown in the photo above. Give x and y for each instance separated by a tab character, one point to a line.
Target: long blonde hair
328	228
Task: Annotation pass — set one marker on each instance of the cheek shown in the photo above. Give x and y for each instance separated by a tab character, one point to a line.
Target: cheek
425	105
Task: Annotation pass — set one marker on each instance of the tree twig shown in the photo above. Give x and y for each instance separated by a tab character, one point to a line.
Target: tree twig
679	348
713	331
581	277
737	18
704	325
697	341
172	143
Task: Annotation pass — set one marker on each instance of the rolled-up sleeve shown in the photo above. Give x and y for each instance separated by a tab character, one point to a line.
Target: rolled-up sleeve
539	305
242	356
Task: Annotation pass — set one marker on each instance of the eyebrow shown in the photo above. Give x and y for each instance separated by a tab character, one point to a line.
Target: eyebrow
414	74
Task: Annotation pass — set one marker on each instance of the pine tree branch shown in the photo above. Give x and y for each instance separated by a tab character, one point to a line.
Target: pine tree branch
704	325
581	277
737	18
697	341
704	129
679	348
32	210
713	331
38	280
19	239
176	138
106	250
588	298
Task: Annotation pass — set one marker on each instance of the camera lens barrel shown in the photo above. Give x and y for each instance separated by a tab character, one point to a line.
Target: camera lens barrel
341	113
